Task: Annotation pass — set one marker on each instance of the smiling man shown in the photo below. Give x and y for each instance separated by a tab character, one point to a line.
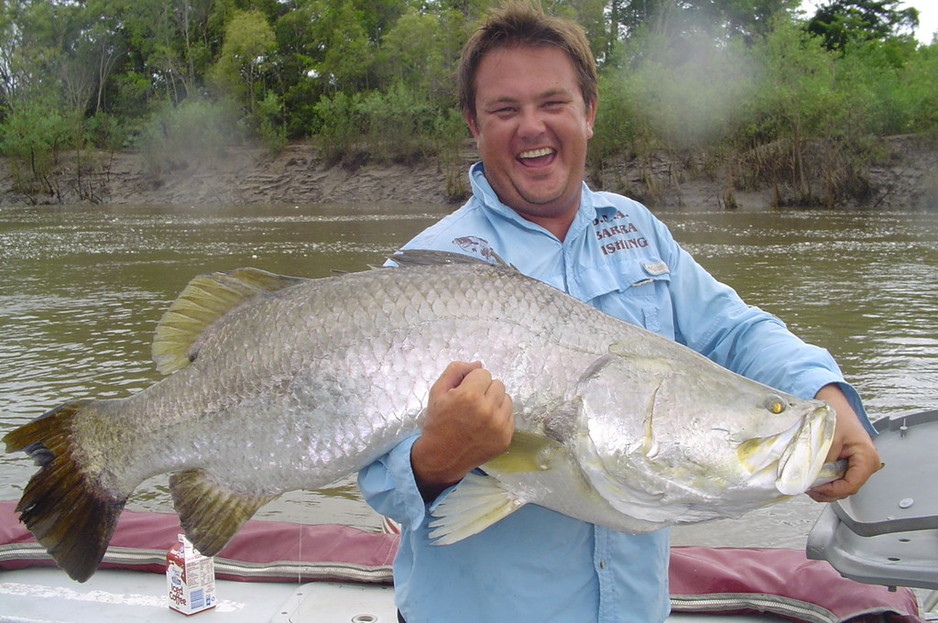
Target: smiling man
531	124
527	86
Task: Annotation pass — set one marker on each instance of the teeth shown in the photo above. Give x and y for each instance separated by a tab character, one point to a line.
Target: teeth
536	153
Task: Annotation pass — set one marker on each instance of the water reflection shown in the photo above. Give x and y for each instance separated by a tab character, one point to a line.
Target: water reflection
84	287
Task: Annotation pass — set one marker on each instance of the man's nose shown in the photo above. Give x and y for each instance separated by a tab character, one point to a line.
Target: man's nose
531	122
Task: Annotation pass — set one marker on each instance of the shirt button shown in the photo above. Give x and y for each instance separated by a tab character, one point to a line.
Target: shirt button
602	564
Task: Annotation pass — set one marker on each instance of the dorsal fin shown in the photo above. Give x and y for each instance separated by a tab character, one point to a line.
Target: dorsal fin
203	301
423	257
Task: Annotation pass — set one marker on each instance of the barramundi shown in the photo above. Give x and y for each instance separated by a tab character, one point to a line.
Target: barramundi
280	383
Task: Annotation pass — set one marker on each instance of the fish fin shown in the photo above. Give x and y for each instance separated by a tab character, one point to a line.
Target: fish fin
65	508
203	301
430	257
209	512
476	503
528	452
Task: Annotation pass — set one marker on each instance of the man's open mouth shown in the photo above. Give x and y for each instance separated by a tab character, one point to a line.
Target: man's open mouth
536	157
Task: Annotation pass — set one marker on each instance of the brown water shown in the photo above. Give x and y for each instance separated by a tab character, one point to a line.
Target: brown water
83	287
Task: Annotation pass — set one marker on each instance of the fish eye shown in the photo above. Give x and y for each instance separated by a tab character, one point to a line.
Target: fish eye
774	404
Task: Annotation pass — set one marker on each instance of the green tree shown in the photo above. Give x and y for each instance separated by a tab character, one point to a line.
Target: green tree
245	60
920	75
421	51
718	18
346	61
377	16
840	21
36	37
873	76
11	43
791	106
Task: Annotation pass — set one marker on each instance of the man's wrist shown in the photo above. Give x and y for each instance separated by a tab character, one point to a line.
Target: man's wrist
431	481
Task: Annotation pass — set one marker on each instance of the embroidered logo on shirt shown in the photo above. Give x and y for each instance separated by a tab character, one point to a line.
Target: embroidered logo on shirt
474	245
615	235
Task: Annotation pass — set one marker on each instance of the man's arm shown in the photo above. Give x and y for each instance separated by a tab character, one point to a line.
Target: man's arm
469	421
851	442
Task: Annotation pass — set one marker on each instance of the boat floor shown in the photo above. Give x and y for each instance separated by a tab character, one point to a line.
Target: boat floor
116	596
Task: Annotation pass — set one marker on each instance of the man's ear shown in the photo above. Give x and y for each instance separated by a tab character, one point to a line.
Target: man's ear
471	122
590	118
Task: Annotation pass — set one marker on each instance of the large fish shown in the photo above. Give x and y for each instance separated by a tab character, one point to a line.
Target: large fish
279	383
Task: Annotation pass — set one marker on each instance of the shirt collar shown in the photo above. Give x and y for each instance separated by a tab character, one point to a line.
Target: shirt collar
592	205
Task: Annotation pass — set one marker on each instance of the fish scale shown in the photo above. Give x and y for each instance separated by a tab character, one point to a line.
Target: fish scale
279	383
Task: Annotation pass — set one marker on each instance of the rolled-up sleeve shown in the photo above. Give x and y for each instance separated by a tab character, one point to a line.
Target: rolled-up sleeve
389	487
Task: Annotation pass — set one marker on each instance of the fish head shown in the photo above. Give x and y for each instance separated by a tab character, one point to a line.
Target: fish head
663	436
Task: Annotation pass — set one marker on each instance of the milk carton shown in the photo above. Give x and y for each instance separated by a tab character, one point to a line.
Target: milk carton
190	578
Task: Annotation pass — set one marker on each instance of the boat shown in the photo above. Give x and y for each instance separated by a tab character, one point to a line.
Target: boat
864	557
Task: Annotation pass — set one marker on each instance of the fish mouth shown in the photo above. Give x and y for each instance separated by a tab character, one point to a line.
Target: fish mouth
792	458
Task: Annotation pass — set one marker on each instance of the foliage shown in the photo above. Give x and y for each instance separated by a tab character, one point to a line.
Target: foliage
244	60
270	121
753	82
31	137
395	125
687	90
343	51
841	21
174	136
340	125
421	50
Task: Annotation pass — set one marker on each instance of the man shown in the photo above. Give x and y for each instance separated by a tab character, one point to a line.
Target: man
528	89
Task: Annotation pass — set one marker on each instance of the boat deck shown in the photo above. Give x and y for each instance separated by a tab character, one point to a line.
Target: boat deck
117	596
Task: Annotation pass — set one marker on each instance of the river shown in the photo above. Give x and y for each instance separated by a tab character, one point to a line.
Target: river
83	287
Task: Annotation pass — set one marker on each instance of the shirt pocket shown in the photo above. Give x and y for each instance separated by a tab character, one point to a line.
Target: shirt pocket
636	290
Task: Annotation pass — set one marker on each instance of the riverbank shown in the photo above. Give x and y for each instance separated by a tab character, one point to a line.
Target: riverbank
904	175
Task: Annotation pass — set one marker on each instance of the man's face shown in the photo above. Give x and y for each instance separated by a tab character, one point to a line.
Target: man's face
531	128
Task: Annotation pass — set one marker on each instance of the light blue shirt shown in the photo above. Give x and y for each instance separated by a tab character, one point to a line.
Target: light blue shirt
536	564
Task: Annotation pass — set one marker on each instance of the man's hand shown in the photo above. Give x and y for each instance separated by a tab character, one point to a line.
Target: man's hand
851	442
469	421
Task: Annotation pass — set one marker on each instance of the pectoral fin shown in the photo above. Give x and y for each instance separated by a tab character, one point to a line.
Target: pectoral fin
479	501
476	503
528	452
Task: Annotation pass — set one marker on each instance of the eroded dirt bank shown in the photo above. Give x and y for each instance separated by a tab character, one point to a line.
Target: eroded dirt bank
904	176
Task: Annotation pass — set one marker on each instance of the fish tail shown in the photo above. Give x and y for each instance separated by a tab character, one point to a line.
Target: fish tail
65	508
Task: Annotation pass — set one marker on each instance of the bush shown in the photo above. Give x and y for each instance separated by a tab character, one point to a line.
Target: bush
449	135
341	126
396	125
196	129
270	124
106	131
31	136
